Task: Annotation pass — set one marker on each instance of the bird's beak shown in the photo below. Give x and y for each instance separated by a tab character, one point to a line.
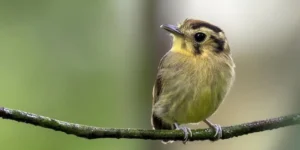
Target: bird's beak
172	29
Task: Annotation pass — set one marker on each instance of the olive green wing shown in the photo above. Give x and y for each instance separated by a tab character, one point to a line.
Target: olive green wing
157	123
157	88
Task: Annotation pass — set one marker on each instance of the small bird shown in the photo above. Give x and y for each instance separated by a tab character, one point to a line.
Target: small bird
193	77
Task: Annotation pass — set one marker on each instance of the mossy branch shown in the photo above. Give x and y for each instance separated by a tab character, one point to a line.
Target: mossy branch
90	132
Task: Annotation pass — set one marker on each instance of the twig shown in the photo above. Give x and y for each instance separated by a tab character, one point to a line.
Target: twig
91	132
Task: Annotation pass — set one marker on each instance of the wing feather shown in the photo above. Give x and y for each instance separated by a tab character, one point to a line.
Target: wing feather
157	123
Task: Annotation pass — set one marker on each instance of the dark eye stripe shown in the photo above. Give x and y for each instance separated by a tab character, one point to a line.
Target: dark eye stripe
220	43
207	25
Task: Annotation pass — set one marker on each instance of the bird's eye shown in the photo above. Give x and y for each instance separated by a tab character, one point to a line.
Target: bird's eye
199	37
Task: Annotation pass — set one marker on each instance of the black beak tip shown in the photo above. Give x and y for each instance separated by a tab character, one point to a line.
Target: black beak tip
172	29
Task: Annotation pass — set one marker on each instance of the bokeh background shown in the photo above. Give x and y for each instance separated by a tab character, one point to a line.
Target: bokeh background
94	62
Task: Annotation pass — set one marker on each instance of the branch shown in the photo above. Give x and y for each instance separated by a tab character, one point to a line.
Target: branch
90	132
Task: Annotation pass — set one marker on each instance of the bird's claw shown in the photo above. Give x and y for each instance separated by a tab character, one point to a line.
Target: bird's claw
218	130
186	132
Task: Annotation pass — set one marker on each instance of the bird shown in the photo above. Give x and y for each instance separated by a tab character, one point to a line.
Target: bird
193	77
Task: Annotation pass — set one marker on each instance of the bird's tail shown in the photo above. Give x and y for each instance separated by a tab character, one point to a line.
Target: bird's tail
158	124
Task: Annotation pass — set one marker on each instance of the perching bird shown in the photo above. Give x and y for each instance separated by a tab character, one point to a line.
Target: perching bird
193	77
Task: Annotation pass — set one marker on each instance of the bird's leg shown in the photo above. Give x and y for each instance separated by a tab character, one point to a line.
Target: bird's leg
185	130
216	127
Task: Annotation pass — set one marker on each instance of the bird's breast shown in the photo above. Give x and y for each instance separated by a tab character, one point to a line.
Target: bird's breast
193	90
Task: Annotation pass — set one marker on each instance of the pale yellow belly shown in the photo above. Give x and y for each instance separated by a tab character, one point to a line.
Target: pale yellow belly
190	95
194	109
187	101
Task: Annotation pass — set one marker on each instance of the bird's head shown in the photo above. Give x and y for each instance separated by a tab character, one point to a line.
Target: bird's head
197	38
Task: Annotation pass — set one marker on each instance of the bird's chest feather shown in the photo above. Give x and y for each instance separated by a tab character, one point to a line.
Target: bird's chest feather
193	92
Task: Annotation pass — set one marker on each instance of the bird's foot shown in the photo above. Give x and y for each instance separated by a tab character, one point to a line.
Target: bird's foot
217	128
186	132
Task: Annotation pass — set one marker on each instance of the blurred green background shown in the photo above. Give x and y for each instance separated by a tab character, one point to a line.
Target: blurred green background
94	62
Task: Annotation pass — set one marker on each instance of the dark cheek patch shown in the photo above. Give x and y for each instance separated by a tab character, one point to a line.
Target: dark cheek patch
220	44
197	49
